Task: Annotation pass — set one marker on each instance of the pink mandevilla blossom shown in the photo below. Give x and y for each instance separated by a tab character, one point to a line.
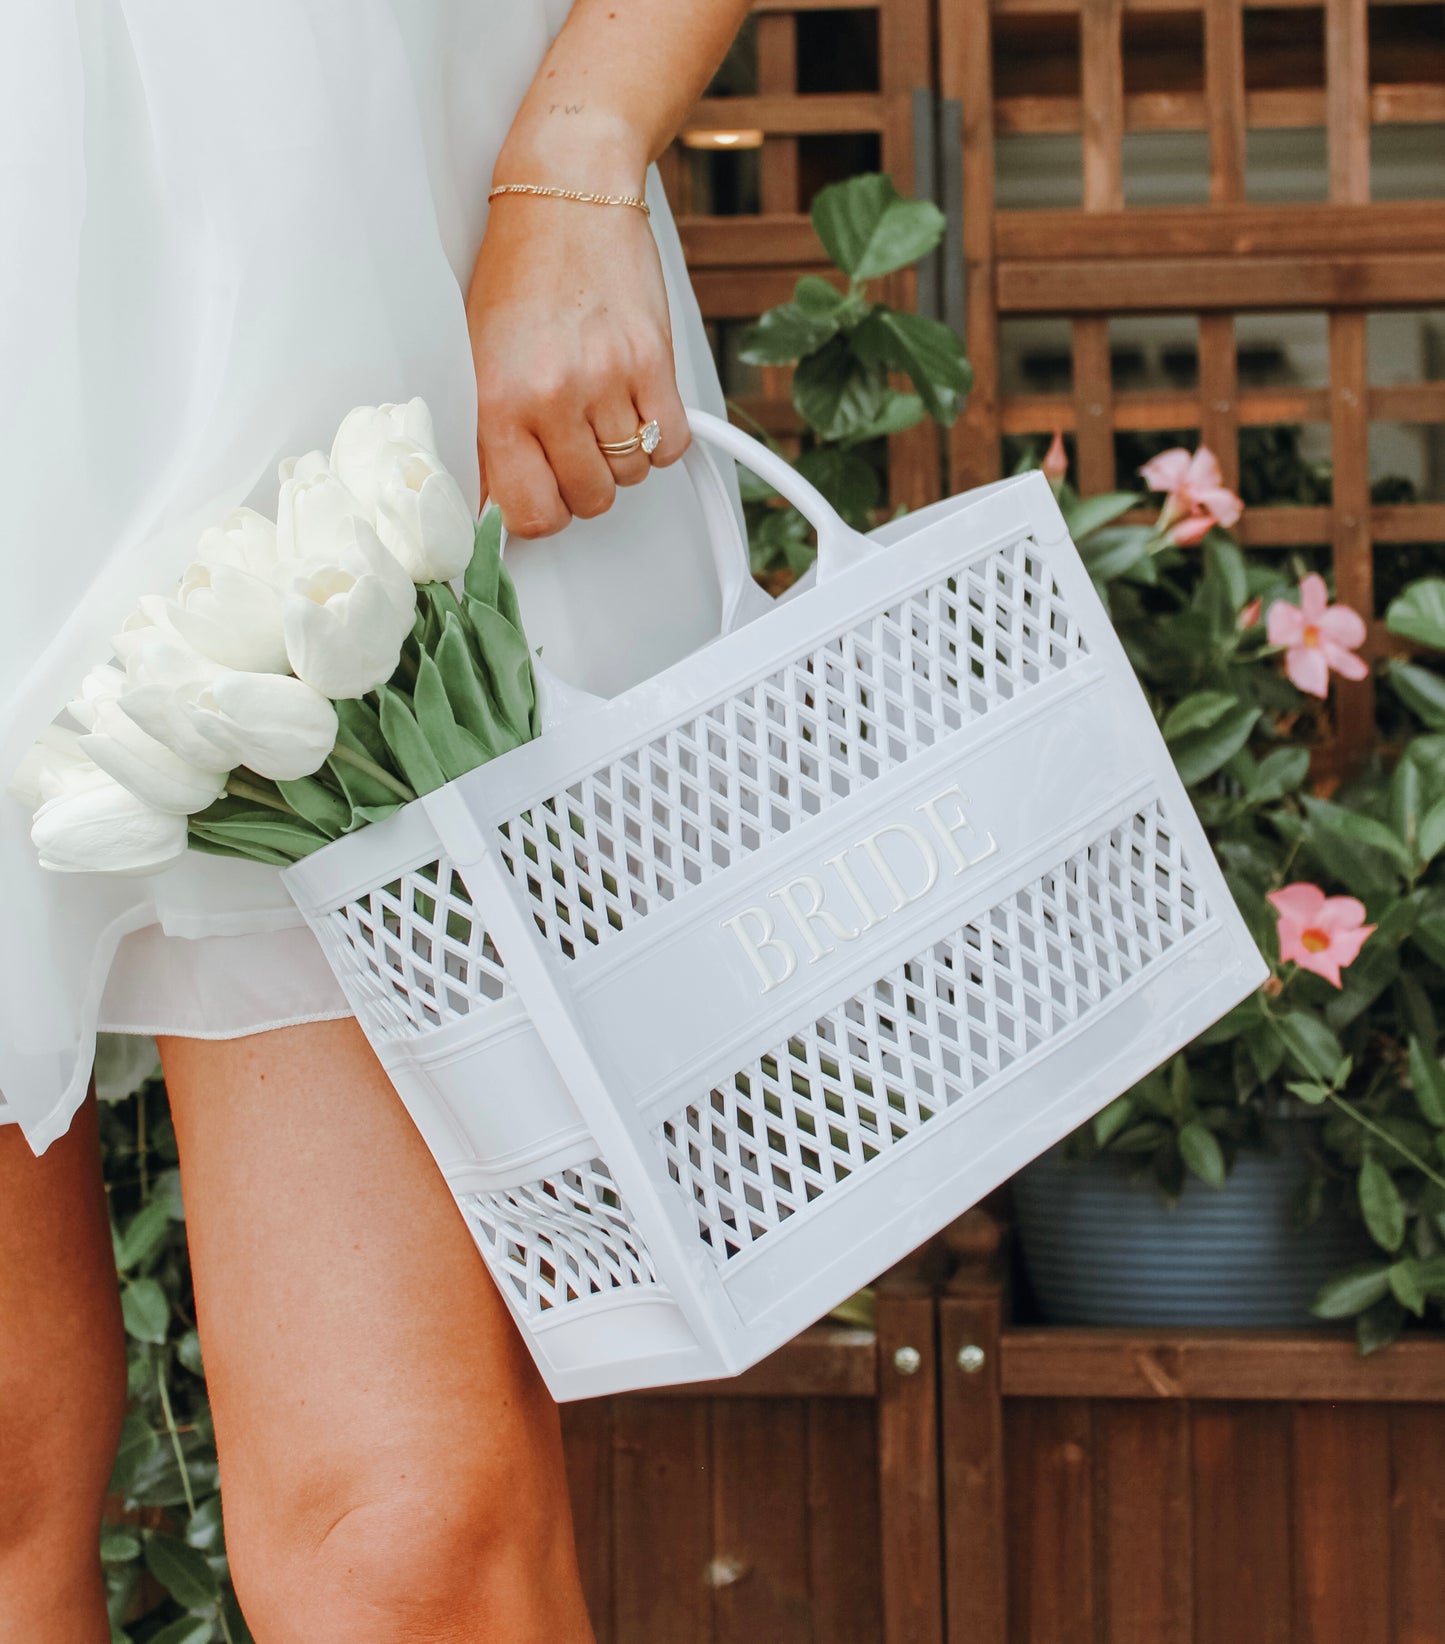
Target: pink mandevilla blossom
1056	460
1318	932
1196	496
1318	637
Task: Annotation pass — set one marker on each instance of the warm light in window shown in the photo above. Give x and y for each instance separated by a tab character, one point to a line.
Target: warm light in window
722	139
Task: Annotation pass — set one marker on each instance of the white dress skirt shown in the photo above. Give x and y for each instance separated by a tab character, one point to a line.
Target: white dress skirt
221	226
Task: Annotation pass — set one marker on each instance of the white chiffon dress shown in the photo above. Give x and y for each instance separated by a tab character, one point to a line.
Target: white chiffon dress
221	226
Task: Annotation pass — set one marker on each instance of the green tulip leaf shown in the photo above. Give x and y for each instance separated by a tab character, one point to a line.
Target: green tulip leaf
868	228
483	572
318	804
407	742
470	701
507	664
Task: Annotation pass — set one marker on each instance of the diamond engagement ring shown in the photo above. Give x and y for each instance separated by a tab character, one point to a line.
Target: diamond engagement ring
647	439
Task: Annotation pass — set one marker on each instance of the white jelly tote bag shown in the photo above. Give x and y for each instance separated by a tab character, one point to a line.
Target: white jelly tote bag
721	996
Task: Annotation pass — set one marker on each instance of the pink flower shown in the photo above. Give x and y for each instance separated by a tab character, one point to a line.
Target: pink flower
1318	636
1197	497
1318	932
1250	614
1056	460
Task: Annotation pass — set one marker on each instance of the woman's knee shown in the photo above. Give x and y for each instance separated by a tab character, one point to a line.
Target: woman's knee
410	1545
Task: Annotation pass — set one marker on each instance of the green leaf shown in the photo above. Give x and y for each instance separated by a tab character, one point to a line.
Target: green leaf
1091	514
1118	552
506	663
1419	612
117	1546
821	300
144	1234
836	393
139	1444
145	1310
1112	1120
1196	712
900	412
785	334
1225	565
407	743
1200	1150
457	750
278	835
317	804
1406	1287
1307	1091
1358	829
190	1629
1199	754
928	351
868	228
1422	691
1310	1045
480	581
851	483
1279	773
1427	1078
206	1530
1381	1204
470	700
1352	1292
1430	837
1379	1325
188	1351
182	1571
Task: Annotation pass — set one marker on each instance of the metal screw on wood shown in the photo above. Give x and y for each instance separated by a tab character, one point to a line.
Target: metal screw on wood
971	1359
907	1361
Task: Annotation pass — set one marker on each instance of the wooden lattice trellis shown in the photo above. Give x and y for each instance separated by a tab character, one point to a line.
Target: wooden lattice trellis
968	73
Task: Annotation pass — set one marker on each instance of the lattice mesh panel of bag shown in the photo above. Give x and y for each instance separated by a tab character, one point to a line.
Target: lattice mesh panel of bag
646	828
417	952
561	1239
934	1033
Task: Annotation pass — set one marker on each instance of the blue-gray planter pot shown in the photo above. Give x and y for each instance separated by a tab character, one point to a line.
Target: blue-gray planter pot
1102	1248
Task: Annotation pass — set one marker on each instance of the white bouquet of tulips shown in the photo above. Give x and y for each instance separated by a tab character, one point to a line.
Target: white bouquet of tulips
306	676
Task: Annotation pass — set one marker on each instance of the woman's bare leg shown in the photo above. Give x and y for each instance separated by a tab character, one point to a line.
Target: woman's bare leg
391	1466
62	1386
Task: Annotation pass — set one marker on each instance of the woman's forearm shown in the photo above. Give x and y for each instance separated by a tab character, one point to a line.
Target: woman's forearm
613	90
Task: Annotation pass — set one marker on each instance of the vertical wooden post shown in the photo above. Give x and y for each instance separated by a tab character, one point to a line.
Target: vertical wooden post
974	1540
1347	102
778	77
908	1461
1224	103
965	59
1102	78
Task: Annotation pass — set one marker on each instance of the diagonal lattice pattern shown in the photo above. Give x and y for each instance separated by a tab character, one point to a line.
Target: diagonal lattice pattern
935	1032
561	1239
662	818
416	951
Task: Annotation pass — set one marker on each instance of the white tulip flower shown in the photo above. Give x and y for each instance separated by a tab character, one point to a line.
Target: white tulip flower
164	675
230	616
364	432
244	540
53	761
93	824
422	516
346	618
272	724
152	771
103	683
313	511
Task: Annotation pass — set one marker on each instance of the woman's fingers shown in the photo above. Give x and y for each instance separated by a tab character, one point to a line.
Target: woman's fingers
583	478
656	393
517	476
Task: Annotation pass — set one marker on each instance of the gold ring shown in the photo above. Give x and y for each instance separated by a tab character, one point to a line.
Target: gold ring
647	438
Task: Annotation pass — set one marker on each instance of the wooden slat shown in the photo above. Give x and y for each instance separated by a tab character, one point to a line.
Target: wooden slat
826	1361
975	1553
1145	1516
1224	95
1204	1364
1408	402
1218	392
1354	700
1225	231
1158	408
908	1474
1050	1462
1347	98
1093	404
760	1565
1102	78
1408	522
1241	1456
1341	1518
1169	285
587	1437
662	1511
1287	109
815	112
843	1530
777	43
764	241
1417	1521
741	293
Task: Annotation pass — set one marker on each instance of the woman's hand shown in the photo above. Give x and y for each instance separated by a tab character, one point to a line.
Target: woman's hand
570	334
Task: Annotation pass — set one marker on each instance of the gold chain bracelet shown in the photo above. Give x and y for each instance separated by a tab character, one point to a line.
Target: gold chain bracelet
634	200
